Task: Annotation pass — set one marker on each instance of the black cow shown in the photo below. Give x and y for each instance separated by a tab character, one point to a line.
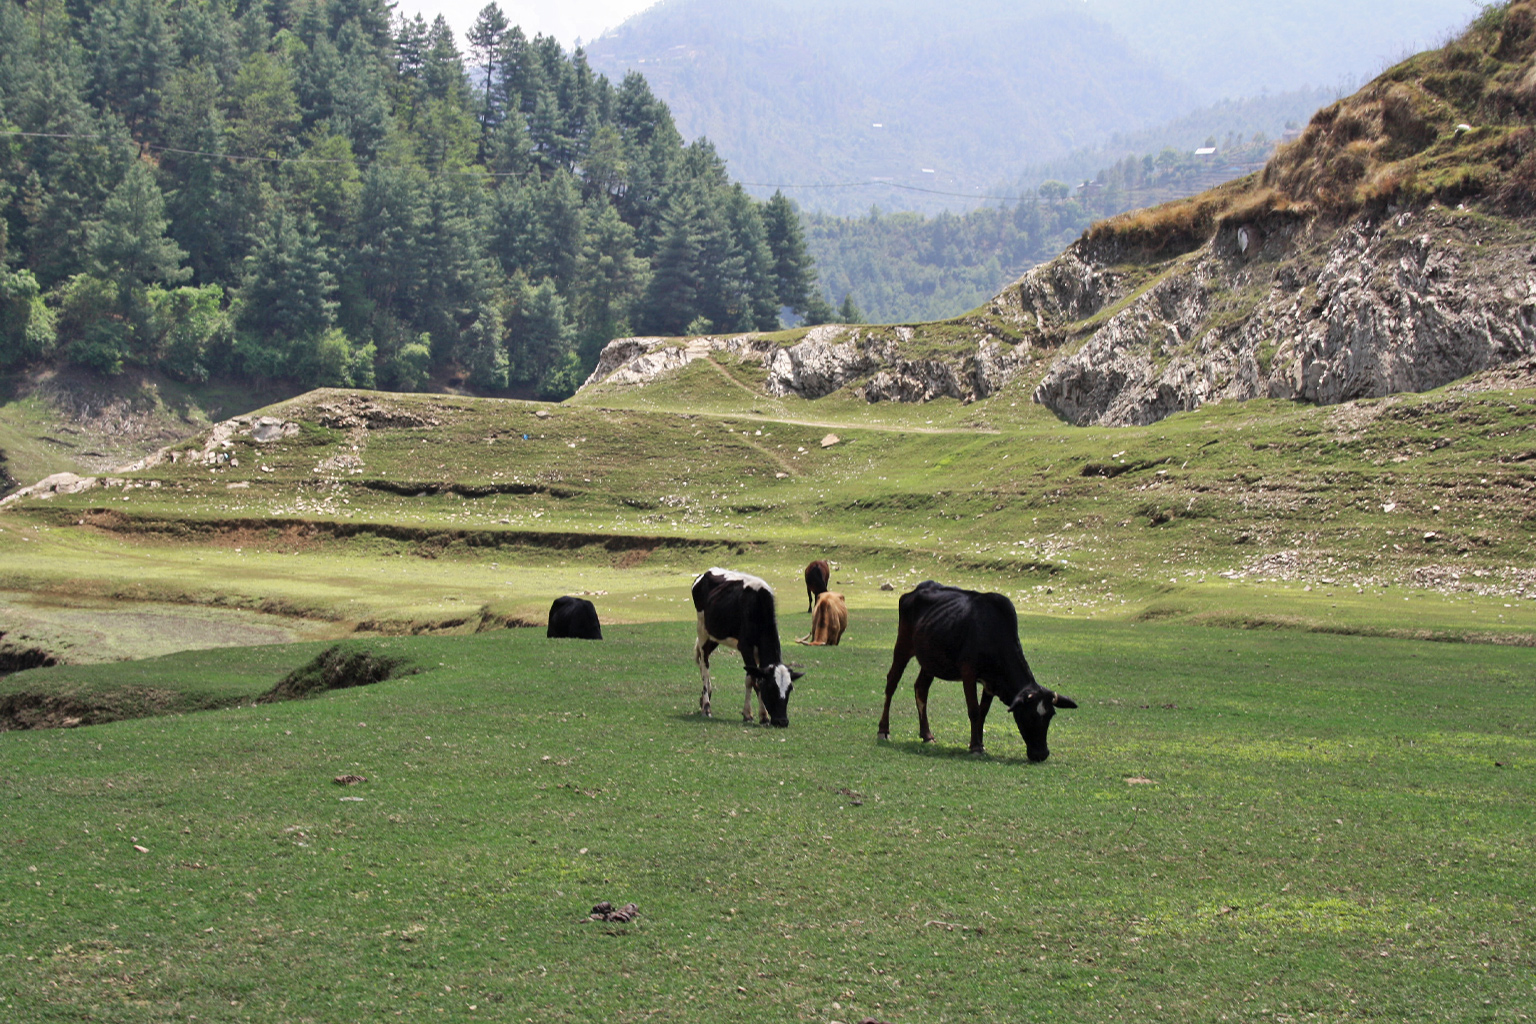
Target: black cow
965	635
738	610
818	577
574	618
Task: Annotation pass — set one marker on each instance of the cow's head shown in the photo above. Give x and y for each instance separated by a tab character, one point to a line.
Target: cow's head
1033	710
774	685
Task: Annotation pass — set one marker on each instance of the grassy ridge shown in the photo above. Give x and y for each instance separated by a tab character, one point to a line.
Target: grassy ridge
1235	824
466	513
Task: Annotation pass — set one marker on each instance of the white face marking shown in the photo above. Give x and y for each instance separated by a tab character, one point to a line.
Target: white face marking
782	680
1043	708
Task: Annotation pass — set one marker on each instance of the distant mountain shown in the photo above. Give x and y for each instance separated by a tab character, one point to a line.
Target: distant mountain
1387	249
940	101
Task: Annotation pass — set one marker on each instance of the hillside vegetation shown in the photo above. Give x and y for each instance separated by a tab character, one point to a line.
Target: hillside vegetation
317	192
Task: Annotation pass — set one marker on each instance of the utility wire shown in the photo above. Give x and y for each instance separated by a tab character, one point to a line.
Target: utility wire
825	186
494	174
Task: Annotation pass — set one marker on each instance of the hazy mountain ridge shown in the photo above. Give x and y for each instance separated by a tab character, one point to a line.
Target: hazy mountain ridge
1387	249
791	90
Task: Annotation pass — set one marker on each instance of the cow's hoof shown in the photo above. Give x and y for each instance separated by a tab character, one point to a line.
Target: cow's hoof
884	737
978	751
929	739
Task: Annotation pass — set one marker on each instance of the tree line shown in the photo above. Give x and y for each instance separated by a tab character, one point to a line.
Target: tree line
315	190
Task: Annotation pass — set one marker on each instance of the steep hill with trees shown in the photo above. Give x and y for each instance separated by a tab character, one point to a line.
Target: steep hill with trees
308	189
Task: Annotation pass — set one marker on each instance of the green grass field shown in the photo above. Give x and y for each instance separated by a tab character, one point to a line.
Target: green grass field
1235	825
1279	801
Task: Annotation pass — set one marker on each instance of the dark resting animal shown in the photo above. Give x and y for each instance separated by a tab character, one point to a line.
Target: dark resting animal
972	637
738	610
818	576
573	618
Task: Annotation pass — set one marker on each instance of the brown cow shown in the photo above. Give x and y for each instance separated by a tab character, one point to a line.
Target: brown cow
818	576
828	620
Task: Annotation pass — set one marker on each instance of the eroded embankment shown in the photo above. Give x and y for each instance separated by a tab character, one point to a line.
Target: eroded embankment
427	541
339	667
19	658
631	549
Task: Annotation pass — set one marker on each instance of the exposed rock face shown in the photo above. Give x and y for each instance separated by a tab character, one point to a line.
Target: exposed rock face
1291	308
870	360
1405	303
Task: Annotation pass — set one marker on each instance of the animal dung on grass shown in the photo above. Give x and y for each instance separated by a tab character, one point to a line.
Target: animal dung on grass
605	911
349	780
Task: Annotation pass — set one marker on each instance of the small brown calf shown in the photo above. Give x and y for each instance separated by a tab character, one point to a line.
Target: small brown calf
828	620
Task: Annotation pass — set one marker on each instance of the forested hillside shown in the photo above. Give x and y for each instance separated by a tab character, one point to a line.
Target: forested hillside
308	189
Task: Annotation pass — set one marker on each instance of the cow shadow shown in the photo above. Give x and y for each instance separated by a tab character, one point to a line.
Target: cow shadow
939	751
733	720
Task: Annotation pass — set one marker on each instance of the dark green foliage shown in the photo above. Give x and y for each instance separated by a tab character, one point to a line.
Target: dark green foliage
128	244
793	270
347	199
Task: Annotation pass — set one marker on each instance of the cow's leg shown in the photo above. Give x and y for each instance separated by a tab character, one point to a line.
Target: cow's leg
746	707
977	710
899	658
920	690
701	653
986	705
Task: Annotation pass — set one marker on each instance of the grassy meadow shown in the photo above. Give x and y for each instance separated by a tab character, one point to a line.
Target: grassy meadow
1235	825
1298	788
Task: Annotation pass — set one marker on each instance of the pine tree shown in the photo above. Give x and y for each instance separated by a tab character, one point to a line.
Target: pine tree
128	245
132	50
793	273
287	292
612	279
848	312
671	300
485	37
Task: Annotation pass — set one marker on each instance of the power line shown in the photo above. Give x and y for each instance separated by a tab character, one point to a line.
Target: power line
876	182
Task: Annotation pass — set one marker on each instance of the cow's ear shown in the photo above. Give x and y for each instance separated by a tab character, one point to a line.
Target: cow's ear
1065	703
793	675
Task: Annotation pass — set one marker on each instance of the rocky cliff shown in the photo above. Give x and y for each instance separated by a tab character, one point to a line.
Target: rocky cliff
878	364
1392	247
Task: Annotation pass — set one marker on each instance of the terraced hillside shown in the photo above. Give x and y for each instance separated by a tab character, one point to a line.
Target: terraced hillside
360	511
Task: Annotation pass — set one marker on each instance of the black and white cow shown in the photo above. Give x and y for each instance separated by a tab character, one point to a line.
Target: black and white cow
738	611
573	618
969	636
